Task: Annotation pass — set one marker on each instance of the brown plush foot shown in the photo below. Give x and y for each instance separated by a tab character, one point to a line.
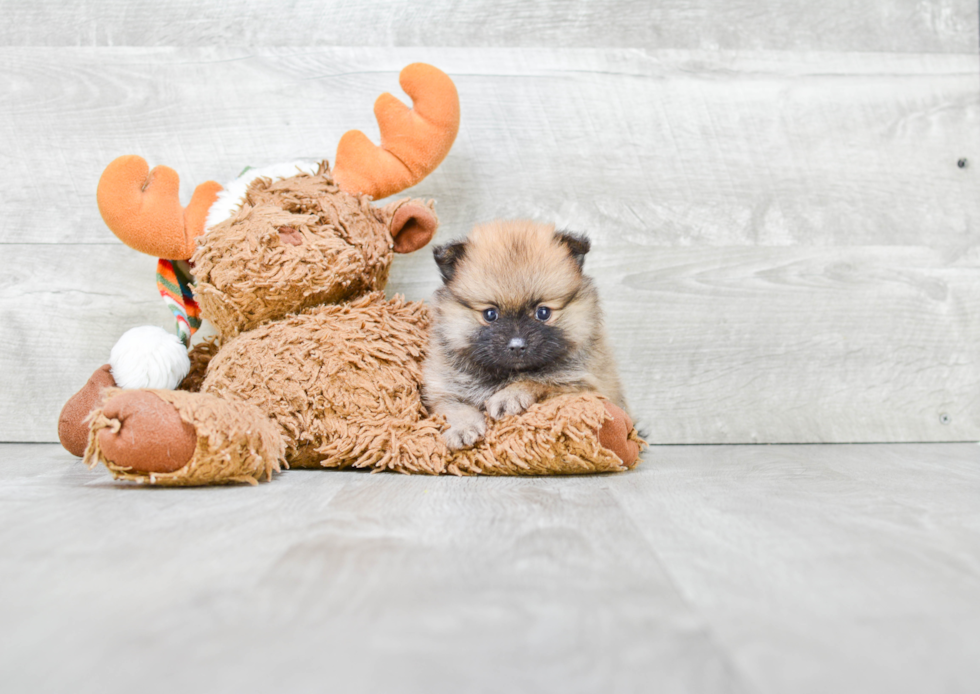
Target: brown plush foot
72	427
150	436
614	435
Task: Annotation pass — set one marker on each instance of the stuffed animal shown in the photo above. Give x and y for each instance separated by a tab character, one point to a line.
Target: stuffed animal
312	366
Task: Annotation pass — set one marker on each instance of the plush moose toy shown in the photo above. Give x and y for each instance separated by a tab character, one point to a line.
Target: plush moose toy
312	366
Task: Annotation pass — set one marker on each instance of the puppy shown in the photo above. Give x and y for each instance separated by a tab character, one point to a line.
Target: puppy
515	322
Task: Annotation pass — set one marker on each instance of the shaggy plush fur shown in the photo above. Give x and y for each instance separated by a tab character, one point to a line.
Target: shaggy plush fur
333	378
313	367
248	274
235	442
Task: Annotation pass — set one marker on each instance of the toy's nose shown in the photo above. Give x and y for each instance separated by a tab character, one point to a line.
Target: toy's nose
516	345
290	236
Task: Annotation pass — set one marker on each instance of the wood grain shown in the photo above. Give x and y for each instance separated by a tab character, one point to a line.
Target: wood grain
63	308
372	583
733	345
672	148
785	243
794	344
939	26
765	569
820	565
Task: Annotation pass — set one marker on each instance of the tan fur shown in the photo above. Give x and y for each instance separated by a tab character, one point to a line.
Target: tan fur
200	355
337	379
312	365
247	273
311	369
235	442
508	261
509	265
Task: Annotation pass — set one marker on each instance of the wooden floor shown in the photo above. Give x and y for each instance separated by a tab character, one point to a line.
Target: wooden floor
709	569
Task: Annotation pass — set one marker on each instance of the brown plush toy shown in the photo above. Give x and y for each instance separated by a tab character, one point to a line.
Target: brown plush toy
312	365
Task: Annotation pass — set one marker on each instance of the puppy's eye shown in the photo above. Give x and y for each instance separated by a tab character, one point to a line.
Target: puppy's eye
543	313
490	315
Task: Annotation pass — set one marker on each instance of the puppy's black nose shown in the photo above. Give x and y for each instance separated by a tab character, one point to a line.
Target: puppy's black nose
516	345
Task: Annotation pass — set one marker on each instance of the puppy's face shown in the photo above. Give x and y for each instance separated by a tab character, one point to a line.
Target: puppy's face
515	298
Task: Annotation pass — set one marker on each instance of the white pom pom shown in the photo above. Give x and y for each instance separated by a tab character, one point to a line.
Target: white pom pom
149	357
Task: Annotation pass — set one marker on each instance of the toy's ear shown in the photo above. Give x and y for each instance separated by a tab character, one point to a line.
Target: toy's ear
412	225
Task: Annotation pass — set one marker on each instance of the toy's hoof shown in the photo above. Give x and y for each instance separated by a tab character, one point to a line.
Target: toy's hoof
614	435
148	434
72	427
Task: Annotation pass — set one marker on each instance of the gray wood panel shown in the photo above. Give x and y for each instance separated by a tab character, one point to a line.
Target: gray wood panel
939	26
785	243
672	148
731	344
766	569
62	308
793	344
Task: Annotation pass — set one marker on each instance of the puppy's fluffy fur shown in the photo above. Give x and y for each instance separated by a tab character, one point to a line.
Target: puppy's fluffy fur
516	321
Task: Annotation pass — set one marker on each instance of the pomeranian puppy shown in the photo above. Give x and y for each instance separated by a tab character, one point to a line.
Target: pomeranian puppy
516	321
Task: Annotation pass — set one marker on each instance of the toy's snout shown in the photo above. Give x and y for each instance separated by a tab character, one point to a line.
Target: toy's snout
291	236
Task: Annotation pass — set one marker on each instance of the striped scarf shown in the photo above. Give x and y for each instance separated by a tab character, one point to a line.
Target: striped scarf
175	283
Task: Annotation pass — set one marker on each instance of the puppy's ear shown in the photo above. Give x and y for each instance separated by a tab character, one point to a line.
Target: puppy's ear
577	244
447	258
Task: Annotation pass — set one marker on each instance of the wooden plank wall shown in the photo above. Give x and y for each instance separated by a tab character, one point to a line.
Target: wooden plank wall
787	248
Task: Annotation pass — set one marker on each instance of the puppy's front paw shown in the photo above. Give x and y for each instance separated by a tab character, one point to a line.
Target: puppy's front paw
509	401
466	426
464	435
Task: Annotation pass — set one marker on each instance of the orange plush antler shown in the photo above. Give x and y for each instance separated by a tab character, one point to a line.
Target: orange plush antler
413	140
143	209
